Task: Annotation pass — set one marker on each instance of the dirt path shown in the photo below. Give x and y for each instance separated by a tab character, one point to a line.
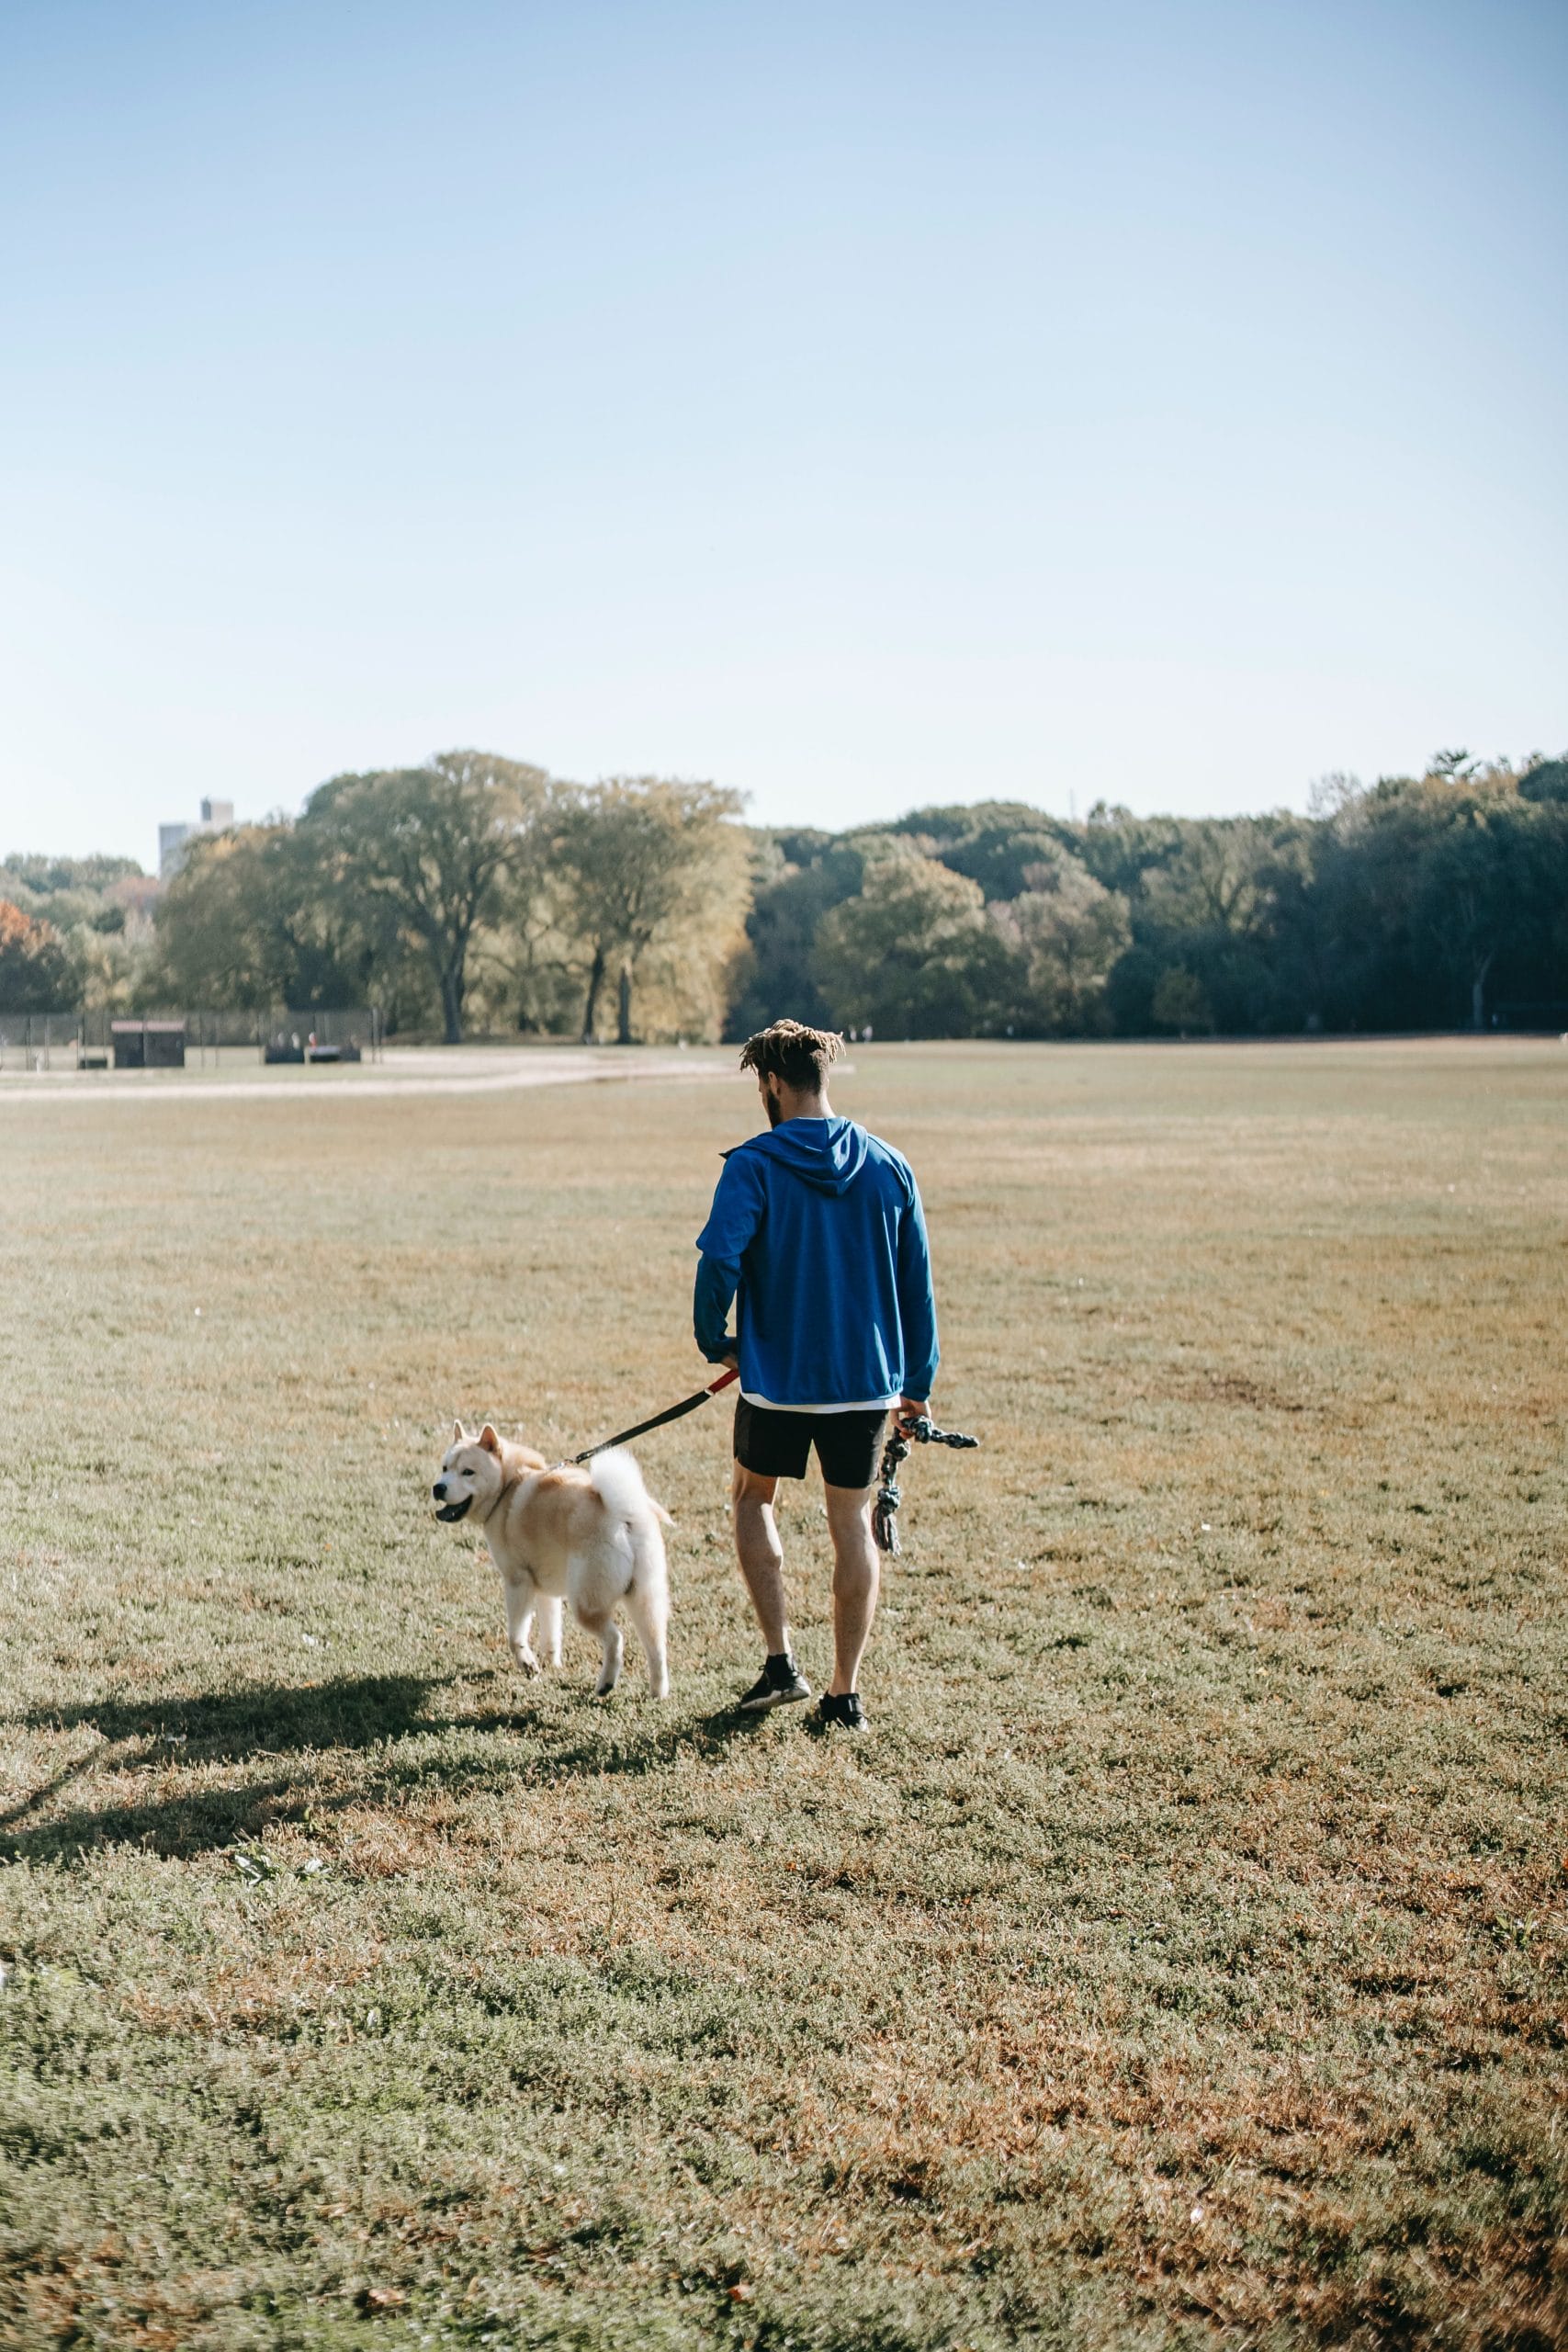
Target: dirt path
409	1071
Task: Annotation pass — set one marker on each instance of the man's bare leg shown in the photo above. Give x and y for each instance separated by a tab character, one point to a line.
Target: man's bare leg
760	1554
856	1577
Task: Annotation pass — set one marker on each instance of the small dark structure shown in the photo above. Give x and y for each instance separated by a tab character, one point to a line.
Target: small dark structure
149	1045
165	1045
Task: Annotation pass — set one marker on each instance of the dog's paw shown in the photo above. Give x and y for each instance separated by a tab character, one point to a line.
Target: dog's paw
526	1662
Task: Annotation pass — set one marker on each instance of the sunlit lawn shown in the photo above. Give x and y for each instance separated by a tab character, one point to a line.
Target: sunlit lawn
1180	1961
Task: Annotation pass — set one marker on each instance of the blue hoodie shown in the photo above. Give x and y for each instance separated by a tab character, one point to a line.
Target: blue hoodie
819	1227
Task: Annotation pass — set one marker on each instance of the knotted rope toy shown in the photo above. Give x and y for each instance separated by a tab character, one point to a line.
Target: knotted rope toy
889	1495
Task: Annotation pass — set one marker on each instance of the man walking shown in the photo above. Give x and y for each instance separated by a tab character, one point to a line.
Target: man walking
818	1233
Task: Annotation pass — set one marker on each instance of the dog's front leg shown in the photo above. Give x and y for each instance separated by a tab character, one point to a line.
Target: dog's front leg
522	1597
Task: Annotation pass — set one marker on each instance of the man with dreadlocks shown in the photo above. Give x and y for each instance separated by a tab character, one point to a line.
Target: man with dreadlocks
816	1234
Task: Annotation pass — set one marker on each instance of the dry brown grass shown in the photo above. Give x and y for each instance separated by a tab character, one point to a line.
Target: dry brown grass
1180	1963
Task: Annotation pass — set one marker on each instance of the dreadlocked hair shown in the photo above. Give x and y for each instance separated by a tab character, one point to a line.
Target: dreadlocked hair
798	1057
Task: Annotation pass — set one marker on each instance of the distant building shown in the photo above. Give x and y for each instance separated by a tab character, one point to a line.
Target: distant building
172	839
217	816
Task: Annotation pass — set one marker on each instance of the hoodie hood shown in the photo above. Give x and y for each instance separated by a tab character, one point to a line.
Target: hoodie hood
827	1154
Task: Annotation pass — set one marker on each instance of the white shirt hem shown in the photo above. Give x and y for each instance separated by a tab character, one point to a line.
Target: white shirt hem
863	1405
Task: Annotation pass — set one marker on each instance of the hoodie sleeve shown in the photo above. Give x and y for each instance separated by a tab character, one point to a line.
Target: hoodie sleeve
917	1301
737	1212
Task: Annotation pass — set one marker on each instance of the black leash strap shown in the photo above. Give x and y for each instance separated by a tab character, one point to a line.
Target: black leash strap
889	1495
670	1413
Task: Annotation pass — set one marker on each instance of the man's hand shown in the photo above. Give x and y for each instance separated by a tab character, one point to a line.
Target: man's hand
910	1408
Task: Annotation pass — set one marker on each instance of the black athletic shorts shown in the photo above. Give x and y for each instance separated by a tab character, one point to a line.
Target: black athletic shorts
777	1445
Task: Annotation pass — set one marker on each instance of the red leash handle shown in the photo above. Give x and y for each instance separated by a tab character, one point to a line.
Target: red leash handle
670	1413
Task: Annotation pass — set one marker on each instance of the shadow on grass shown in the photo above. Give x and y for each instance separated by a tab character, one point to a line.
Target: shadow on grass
261	1719
174	1828
325	1721
610	1743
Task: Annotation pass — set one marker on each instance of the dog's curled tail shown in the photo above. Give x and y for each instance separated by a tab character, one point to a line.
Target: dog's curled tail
617	1482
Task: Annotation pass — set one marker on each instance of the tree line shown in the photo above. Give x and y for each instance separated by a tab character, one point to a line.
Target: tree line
476	894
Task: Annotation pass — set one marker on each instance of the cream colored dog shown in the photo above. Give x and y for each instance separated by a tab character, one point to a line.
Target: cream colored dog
588	1536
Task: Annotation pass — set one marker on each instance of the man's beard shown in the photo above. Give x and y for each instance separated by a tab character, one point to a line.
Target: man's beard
775	1110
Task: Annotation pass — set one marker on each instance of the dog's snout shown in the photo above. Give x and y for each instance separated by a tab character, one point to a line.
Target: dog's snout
439	1490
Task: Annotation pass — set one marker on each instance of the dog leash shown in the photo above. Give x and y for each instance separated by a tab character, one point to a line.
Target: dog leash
670	1413
889	1495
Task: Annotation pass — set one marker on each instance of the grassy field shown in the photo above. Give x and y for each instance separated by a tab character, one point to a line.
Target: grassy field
1181	1962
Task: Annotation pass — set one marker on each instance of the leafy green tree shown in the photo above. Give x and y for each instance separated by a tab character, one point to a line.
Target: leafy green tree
99	909
1366	858
250	921
1217	877
913	954
797	877
1180	1001
35	971
45	877
431	847
1489	882
993	842
1125	852
530	966
1211	906
1545	780
646	862
1068	931
1439	890
1310	955
219	940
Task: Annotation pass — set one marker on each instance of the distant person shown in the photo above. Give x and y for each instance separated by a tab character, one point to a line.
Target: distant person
817	1233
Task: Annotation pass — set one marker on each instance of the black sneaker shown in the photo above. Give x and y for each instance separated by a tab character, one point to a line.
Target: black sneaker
780	1682
843	1710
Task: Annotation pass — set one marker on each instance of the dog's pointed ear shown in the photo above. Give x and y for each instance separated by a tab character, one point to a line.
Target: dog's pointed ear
489	1440
459	1434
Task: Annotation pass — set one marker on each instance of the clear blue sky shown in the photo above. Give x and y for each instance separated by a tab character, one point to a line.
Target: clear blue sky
858	404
